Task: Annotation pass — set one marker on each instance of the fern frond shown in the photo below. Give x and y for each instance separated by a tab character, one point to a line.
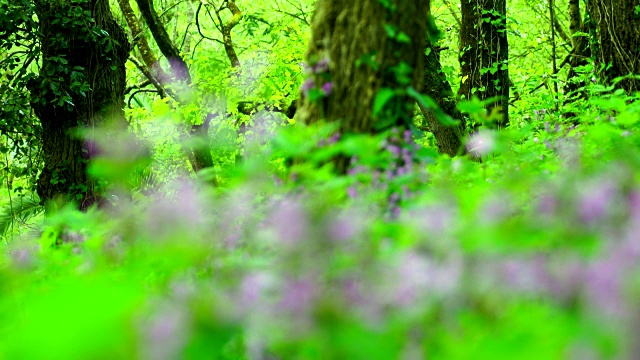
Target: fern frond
20	211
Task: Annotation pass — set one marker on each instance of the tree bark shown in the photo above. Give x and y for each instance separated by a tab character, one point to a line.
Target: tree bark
148	57
80	86
200	152
618	35
579	51
355	39
484	55
448	138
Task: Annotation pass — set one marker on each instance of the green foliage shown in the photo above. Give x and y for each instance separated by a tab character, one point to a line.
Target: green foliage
529	253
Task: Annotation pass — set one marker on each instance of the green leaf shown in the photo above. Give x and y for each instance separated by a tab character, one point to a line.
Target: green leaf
403	38
383	97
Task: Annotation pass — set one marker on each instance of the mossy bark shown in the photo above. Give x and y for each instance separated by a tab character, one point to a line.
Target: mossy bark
354	37
80	86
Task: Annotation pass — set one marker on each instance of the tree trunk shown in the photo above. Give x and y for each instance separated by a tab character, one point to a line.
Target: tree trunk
80	86
448	138
200	152
484	54
357	48
579	46
148	57
618	35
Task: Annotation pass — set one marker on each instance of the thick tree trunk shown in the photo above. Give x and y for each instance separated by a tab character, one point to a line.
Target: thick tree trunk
80	86
484	54
618	35
359	43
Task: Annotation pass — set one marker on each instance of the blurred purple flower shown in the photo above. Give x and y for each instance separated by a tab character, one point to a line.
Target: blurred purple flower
183	212
634	204
334	138
321	66
298	296
354	292
407	136
435	219
327	88
345	226
495	209
179	70
165	333
90	150
394	149
547	204
527	275
289	220
252	289
604	286
307	85
596	200
418	276
23	258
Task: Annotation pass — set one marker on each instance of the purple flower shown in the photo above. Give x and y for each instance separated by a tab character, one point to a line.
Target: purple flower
407	136
298	296
252	290
321	66
394	149
308	84
353	292
352	192
165	333
334	138
547	204
345	226
326	88
596	201
290	222
527	275
90	150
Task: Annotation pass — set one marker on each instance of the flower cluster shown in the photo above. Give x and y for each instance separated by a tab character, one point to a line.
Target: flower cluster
395	179
318	83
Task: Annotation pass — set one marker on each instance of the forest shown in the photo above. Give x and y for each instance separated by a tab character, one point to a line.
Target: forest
319	179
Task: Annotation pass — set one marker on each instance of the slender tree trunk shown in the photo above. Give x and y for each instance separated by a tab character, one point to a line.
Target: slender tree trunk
80	86
484	54
618	35
200	151
353	52
146	53
579	46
